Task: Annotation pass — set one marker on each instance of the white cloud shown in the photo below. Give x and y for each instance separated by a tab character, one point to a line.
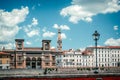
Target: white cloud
86	9
82	49
9	23
14	17
115	27
32	29
34	22
53	47
7	46
56	26
48	34
32	33
112	42
38	39
88	19
28	43
62	27
44	29
63	36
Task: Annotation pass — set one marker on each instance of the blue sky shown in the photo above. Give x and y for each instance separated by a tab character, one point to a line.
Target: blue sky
35	20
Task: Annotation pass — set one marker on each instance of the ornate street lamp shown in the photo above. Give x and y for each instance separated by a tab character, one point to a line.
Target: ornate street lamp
96	36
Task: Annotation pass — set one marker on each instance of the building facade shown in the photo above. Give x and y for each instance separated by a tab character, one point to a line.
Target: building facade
45	57
32	57
4	60
74	59
108	56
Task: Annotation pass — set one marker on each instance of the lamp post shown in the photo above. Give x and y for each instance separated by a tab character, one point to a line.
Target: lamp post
96	36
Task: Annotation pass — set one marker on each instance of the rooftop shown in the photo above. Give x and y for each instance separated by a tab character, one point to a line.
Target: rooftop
3	53
110	47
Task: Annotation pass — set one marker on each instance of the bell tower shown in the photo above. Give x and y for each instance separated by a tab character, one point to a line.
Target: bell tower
59	40
19	44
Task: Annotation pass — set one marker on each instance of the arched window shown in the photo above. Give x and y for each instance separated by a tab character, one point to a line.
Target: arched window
28	59
33	59
39	59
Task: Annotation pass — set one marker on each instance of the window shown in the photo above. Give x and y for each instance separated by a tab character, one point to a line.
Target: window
46	57
20	46
27	59
38	63
99	55
53	57
20	58
47	64
80	60
7	67
99	59
112	55
7	61
27	63
102	59
53	64
19	64
0	61
0	67
112	64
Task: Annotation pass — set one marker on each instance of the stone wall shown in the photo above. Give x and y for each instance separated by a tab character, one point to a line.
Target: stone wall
21	72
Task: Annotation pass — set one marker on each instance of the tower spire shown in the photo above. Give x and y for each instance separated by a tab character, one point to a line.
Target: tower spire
59	40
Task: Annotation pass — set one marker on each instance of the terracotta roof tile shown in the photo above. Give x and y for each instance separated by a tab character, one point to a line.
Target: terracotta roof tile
86	52
32	48
4	53
111	47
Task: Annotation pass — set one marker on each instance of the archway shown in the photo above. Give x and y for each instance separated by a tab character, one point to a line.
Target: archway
33	62
39	62
28	62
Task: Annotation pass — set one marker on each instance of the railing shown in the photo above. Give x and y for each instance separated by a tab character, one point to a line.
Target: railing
83	70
